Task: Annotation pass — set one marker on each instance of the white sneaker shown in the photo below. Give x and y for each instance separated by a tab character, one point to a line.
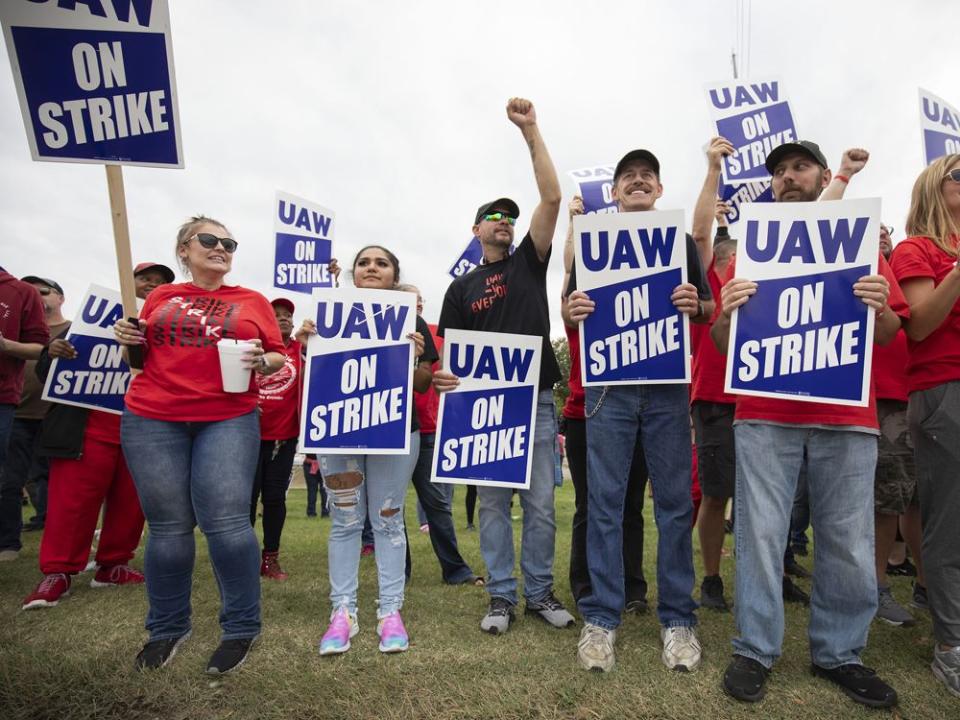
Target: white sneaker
681	649
595	650
946	666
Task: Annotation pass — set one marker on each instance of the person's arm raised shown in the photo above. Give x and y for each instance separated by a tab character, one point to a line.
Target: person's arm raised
852	162
706	207
544	219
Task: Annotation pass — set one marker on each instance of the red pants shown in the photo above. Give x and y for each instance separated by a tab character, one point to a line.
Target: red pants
76	490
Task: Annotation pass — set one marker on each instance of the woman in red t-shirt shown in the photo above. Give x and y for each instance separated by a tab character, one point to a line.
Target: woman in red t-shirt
372	486
192	447
926	266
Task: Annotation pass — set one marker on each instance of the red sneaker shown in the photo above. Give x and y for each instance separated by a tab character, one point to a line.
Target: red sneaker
48	592
113	575
270	566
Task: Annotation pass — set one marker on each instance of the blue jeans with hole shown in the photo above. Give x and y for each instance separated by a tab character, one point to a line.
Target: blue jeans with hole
382	488
189	474
840	481
660	416
539	522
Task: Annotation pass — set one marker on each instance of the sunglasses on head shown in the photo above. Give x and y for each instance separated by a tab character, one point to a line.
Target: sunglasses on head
953	175
210	242
498	216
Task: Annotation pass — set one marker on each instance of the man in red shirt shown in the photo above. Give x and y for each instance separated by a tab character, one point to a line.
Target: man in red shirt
23	335
838	446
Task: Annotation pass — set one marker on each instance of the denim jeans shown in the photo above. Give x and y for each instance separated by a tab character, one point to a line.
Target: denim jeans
661	416
840	481
189	474
539	524
22	465
383	488
436	507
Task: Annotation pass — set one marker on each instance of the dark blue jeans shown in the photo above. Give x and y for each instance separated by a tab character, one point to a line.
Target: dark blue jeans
436	507
6	428
189	474
22	465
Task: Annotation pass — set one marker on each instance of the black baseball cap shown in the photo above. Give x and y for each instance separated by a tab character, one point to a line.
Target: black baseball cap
806	147
34	280
505	204
162	269
644	155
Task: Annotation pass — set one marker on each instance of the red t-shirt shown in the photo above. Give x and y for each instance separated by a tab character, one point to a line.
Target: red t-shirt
427	404
890	369
181	379
21	320
709	365
573	407
794	412
280	397
936	359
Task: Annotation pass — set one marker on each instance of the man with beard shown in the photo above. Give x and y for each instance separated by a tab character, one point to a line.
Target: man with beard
838	446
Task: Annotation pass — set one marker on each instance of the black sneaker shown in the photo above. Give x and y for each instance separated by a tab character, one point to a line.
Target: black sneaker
904	569
637	606
157	653
745	679
919	599
860	683
229	656
796	569
711	593
793	593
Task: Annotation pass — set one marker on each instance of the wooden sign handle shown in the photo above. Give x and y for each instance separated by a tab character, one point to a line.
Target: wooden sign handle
121	239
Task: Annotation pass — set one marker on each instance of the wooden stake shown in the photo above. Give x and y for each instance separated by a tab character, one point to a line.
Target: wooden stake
121	240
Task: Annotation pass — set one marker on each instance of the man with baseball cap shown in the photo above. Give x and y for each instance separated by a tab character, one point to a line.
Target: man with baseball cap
657	416
837	446
508	293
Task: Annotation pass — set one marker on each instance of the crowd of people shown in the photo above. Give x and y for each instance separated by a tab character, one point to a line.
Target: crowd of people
185	453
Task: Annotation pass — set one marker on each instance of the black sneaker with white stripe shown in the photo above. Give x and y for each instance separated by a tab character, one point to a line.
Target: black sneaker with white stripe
229	656
158	653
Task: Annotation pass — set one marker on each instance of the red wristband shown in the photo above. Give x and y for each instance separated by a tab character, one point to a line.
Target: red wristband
842	178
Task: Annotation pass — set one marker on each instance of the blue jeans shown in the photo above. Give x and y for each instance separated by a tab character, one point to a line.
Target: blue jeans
189	474
840	480
661	416
382	488
23	465
539	523
434	500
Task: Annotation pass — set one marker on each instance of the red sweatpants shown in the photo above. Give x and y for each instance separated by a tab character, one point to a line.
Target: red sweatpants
76	490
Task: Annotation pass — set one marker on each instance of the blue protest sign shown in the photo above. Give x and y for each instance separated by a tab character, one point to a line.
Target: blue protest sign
595	186
755	117
304	244
736	195
468	260
95	81
485	427
629	265
804	335
940	125
359	375
98	377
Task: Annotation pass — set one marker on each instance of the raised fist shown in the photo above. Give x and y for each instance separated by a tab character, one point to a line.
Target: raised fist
853	161
719	148
521	112
576	206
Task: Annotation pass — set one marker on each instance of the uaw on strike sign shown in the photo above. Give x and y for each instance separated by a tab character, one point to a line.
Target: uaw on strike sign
98	377
359	376
804	335
95	80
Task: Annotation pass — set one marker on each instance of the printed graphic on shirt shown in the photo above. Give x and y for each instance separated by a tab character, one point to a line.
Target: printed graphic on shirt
273	387
494	289
194	322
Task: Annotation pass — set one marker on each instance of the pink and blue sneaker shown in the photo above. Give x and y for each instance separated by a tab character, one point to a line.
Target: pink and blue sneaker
393	635
336	639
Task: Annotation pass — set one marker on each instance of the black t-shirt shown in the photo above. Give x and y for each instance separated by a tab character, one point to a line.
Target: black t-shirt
508	296
695	274
429	356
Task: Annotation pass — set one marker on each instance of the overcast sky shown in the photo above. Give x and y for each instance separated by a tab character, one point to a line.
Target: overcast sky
393	116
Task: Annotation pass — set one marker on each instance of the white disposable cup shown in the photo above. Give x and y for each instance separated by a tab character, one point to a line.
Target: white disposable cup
236	377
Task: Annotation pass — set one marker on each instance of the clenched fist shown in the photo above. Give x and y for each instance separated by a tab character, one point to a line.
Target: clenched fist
521	112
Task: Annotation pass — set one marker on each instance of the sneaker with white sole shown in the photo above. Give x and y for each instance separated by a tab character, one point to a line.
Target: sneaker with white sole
499	616
946	666
116	575
48	593
343	626
550	610
892	612
392	633
681	649
229	655
595	649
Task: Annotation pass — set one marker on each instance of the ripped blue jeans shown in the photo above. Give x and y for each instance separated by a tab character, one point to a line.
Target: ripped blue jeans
379	492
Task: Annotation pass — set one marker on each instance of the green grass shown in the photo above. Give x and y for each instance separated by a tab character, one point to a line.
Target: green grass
75	660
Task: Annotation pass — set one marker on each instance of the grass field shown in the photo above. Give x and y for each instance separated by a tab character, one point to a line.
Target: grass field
76	660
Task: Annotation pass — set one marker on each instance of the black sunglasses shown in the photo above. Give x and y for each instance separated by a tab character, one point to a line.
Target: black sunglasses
210	242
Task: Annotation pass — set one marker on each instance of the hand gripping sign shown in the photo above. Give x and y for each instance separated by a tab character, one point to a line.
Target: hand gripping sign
359	376
804	335
940	125
755	117
629	265
98	377
486	426
595	185
304	239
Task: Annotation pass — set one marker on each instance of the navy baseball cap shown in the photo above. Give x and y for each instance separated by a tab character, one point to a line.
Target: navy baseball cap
805	147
